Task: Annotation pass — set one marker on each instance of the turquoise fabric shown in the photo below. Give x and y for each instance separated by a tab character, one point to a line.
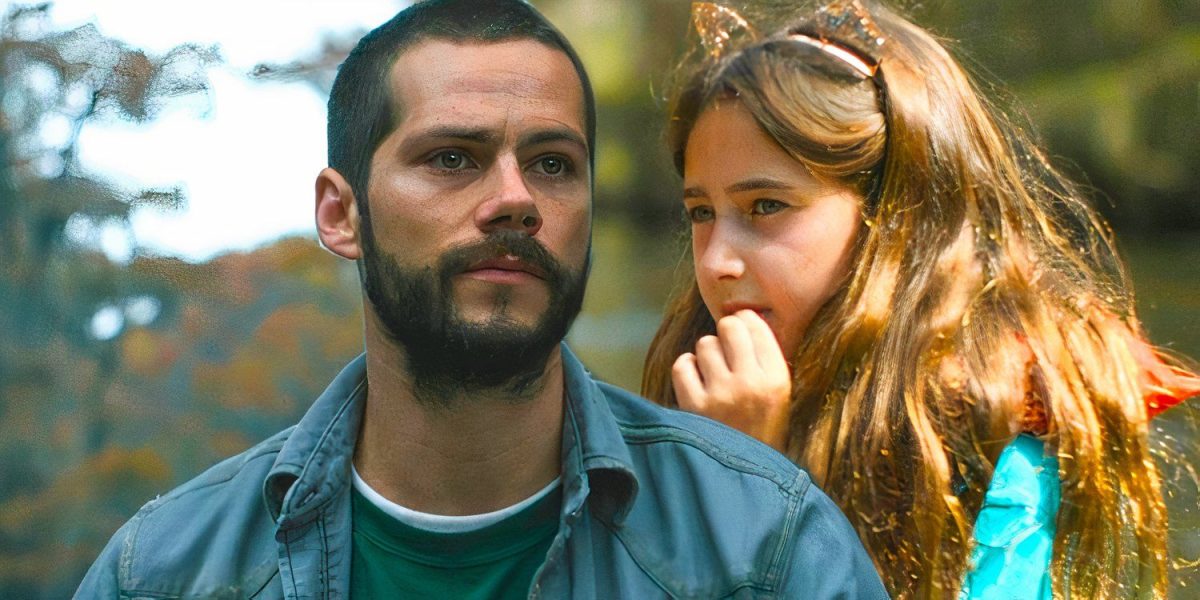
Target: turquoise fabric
1014	533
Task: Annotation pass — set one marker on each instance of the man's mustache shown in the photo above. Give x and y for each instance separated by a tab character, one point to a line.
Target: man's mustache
498	244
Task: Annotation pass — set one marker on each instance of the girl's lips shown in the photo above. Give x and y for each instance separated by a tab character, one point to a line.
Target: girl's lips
733	307
763	313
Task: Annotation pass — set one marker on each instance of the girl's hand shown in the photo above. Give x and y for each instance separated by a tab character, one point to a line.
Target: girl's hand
738	377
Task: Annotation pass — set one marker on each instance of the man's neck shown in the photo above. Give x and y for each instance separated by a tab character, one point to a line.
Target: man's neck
468	455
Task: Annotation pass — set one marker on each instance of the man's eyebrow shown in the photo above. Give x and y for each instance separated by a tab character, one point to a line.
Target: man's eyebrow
561	134
694	192
477	135
758	183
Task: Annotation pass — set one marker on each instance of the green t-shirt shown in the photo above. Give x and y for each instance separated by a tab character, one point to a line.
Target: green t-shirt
395	560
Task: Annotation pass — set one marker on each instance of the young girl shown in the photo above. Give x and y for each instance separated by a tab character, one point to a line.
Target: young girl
894	287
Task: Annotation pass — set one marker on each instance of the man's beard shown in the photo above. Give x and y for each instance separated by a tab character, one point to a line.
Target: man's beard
448	356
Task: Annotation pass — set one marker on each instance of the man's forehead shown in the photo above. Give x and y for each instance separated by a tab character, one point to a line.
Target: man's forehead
441	75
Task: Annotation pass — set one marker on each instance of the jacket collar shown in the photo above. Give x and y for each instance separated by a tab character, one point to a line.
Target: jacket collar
595	457
314	463
313	466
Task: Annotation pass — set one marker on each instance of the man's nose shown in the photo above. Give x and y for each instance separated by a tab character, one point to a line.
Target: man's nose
510	204
721	256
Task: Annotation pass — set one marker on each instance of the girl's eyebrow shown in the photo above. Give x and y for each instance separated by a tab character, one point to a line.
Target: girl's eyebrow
757	183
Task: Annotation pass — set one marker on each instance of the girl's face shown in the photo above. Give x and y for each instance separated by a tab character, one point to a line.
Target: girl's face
766	234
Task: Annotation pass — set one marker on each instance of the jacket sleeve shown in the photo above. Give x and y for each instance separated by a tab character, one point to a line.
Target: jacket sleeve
102	579
827	559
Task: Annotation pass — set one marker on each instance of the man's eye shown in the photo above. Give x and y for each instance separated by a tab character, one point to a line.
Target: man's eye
700	214
767	206
552	165
451	160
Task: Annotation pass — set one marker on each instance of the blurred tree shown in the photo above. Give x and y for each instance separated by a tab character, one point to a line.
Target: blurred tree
122	376
63	302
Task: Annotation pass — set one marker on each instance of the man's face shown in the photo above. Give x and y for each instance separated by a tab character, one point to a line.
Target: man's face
476	247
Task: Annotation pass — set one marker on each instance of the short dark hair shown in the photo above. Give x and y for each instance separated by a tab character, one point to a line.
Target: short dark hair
361	107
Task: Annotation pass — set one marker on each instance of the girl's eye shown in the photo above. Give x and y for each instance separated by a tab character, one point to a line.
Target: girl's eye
451	160
767	206
700	214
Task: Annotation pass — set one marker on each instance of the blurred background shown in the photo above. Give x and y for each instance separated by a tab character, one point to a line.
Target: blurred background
164	304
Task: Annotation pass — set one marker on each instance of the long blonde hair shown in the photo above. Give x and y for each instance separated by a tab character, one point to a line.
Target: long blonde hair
985	298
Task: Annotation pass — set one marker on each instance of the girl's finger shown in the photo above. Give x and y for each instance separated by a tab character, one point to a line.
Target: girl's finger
737	345
766	348
689	389
710	358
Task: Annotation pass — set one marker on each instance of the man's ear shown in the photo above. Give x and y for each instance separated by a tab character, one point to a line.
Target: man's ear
337	215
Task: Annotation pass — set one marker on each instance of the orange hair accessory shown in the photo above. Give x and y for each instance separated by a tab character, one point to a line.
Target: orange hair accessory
1163	385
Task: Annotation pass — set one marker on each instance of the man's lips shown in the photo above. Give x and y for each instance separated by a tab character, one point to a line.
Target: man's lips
504	269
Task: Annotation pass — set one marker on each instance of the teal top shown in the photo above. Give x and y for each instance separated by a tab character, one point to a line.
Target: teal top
1014	533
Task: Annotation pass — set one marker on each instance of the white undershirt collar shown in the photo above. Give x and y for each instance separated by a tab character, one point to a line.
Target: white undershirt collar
444	523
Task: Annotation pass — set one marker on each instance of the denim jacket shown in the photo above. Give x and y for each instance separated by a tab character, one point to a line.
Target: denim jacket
656	504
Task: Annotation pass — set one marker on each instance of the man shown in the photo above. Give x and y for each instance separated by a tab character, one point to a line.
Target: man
468	453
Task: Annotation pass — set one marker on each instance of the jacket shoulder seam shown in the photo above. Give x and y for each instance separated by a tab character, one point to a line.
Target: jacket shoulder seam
787	537
676	593
264	450
664	433
129	547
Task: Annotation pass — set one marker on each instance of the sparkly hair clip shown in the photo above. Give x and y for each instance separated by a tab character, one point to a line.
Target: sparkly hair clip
717	25
846	31
842	29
